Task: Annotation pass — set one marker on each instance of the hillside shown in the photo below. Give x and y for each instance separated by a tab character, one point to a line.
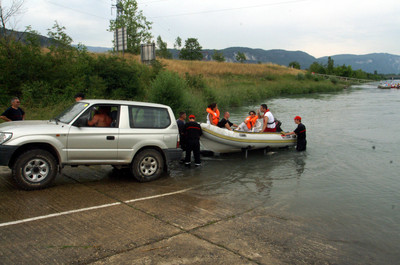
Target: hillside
383	63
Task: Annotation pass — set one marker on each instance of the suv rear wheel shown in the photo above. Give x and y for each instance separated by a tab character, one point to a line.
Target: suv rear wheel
34	169
147	165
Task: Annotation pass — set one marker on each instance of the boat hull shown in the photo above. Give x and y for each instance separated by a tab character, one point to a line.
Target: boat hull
224	141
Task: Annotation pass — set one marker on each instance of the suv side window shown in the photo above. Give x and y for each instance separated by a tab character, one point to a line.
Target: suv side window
148	117
87	118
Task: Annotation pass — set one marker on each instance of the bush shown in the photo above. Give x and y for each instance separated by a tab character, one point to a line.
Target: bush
300	76
309	76
334	80
39	93
168	88
195	81
269	77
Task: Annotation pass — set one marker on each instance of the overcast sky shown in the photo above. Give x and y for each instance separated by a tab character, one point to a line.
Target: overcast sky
318	27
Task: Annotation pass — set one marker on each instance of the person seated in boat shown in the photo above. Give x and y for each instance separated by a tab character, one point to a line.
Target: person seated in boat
249	123
226	123
269	120
213	114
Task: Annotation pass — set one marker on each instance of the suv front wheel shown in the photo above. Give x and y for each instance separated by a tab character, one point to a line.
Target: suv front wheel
147	165
34	169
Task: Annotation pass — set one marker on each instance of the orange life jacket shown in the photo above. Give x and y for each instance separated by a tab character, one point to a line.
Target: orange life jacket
215	116
250	121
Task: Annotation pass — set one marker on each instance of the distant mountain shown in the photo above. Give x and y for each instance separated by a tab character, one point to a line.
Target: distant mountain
280	57
21	36
96	49
383	63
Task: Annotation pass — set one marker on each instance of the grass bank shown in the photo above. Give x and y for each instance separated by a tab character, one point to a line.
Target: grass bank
185	85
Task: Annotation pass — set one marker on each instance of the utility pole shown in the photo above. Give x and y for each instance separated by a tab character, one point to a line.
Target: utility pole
120	34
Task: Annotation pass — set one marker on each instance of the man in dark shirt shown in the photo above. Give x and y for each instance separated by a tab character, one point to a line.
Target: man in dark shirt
192	133
181	128
14	112
301	134
226	123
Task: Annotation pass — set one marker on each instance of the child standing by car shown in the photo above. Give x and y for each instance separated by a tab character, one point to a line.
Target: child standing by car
192	135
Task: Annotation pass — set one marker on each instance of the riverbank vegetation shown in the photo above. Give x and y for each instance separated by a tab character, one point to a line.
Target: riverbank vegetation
46	80
343	71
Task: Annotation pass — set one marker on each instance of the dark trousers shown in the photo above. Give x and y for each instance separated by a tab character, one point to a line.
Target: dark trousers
193	145
301	145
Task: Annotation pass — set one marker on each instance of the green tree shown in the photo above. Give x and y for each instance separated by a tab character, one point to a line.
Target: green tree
191	51
330	66
218	56
344	70
294	64
136	24
60	41
240	57
316	67
162	50
178	43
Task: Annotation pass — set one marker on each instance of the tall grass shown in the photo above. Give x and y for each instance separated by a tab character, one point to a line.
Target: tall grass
211	68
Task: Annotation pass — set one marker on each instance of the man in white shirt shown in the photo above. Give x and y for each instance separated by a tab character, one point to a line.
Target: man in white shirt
268	118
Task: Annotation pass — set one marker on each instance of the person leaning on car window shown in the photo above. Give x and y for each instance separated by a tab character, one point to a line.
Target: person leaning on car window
14	112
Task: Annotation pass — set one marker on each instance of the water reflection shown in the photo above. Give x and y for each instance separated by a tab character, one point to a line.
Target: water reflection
239	179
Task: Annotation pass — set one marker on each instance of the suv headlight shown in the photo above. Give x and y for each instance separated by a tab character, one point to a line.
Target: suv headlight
4	137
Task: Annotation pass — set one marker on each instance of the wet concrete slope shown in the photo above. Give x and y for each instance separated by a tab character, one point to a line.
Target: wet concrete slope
97	215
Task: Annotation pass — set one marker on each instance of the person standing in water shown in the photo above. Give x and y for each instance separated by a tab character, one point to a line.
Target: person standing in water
300	131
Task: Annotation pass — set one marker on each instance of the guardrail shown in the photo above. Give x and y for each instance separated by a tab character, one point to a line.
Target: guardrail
344	78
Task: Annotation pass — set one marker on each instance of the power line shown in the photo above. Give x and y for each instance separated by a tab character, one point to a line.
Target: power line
150	2
231	9
75	10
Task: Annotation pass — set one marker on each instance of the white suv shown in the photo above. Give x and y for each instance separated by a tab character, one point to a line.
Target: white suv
141	136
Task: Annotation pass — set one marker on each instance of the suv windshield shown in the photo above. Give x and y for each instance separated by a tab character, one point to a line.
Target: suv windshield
70	113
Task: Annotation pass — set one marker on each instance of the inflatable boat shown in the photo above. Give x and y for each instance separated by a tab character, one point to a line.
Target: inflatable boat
221	140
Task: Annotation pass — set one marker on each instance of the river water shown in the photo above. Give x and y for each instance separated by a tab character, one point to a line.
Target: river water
344	188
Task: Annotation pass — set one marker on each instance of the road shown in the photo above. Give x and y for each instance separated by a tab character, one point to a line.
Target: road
97	215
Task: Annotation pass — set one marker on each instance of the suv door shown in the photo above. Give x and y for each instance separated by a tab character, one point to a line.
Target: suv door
144	126
93	144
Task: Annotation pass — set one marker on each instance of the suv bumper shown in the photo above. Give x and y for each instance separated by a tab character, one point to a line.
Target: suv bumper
173	154
6	153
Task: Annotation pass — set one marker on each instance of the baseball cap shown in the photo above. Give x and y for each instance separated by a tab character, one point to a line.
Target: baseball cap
297	118
192	117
